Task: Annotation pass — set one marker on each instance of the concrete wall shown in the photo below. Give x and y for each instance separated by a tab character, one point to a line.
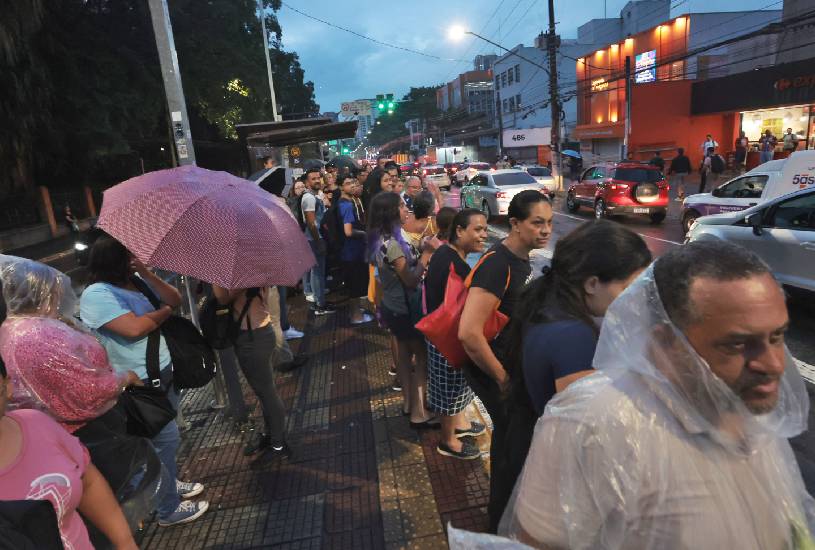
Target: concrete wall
795	39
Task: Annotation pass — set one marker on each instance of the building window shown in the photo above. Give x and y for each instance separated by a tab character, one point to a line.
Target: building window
509	76
518	101
503	79
511	104
498	82
505	105
517	73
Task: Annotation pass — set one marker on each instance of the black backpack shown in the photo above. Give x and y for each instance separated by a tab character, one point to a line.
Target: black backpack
193	358
218	323
716	164
332	229
297	210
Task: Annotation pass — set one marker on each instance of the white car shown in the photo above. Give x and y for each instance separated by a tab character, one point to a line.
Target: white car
764	182
469	170
492	191
781	231
437	174
543	175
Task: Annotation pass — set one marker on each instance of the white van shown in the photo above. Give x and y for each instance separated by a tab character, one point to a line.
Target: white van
764	182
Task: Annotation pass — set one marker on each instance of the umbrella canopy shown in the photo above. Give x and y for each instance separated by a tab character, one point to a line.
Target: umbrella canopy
571	153
209	225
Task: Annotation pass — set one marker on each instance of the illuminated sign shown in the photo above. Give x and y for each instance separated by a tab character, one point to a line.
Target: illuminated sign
599	85
645	67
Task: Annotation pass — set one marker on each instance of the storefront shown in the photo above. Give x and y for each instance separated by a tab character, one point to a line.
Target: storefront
774	98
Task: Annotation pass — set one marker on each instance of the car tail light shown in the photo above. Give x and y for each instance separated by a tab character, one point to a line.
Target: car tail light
492	169
501	195
424	172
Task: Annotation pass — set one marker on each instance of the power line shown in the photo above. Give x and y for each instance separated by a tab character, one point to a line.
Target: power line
374	40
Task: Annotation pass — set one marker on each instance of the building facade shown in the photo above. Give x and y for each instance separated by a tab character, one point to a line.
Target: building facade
665	60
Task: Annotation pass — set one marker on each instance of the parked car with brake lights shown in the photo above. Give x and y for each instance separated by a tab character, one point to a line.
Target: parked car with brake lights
781	231
764	182
621	188
491	191
437	174
469	170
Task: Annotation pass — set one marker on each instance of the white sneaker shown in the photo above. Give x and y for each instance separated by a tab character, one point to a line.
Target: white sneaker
310	298
187	490
292	333
364	319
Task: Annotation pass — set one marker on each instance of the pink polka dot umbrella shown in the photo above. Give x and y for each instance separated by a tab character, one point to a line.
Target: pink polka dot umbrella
209	225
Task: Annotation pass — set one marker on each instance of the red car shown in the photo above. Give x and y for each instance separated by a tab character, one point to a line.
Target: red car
622	188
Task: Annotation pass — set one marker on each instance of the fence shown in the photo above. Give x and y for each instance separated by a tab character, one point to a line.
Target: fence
19	210
75	198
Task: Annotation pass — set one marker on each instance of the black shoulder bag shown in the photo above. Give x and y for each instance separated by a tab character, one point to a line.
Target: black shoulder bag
193	358
147	408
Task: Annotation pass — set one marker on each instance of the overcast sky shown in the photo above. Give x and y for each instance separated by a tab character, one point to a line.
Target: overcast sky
344	67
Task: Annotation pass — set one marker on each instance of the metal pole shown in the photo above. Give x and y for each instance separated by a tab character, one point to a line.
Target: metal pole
268	60
500	124
552	43
163	30
174	92
626	137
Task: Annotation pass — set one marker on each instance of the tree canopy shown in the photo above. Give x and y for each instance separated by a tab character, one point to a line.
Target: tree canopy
418	103
83	88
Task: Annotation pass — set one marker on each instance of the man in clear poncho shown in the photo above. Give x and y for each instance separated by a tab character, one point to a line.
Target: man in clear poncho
679	441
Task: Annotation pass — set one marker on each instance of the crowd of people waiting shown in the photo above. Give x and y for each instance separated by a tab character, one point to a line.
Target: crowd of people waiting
634	403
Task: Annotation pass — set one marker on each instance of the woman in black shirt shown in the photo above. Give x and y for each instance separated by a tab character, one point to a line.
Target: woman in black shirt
447	391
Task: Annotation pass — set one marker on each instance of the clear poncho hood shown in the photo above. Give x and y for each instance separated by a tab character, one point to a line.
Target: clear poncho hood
637	335
654	451
34	289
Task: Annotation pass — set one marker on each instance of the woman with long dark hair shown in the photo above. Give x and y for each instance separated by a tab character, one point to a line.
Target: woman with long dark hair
554	331
378	181
448	393
123	317
400	267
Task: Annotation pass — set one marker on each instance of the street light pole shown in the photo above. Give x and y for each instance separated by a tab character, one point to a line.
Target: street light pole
275	116
552	43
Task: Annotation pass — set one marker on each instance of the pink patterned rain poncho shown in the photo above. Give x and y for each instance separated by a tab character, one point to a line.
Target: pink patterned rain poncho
57	367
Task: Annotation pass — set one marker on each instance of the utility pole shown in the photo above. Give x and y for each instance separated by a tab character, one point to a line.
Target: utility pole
163	30
626	144
275	116
552	44
499	113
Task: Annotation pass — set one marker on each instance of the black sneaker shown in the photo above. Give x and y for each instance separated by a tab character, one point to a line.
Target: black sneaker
259	442
475	429
324	310
272	453
397	385
297	362
469	451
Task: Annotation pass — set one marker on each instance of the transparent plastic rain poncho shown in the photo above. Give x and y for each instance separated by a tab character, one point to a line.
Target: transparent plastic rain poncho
635	456
55	364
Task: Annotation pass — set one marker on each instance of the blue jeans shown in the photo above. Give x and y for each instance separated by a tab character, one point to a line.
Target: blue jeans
166	445
316	278
766	156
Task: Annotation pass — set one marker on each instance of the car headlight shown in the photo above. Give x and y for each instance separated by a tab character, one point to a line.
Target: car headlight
80	246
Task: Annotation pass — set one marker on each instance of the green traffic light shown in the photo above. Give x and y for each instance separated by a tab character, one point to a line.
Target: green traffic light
381	105
390	105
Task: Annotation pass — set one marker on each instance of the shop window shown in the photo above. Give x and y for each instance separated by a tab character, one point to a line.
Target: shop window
677	70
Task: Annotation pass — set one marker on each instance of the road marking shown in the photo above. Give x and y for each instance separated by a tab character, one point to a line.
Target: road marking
578	218
806	370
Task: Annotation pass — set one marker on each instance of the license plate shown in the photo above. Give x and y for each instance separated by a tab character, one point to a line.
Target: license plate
640	211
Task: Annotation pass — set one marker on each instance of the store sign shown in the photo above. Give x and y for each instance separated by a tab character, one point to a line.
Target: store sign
599	85
527	137
786	84
645	67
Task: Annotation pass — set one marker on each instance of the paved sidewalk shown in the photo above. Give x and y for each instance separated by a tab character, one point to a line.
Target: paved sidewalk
359	476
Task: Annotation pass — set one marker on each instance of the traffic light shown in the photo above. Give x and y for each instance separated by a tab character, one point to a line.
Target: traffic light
385	101
389	98
345	150
380	102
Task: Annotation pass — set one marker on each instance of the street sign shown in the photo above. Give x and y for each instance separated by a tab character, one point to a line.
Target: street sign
356	108
527	137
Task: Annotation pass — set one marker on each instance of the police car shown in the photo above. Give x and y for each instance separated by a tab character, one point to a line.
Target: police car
765	182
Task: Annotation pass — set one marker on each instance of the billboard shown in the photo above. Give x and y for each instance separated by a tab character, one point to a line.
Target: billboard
645	67
527	137
356	108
